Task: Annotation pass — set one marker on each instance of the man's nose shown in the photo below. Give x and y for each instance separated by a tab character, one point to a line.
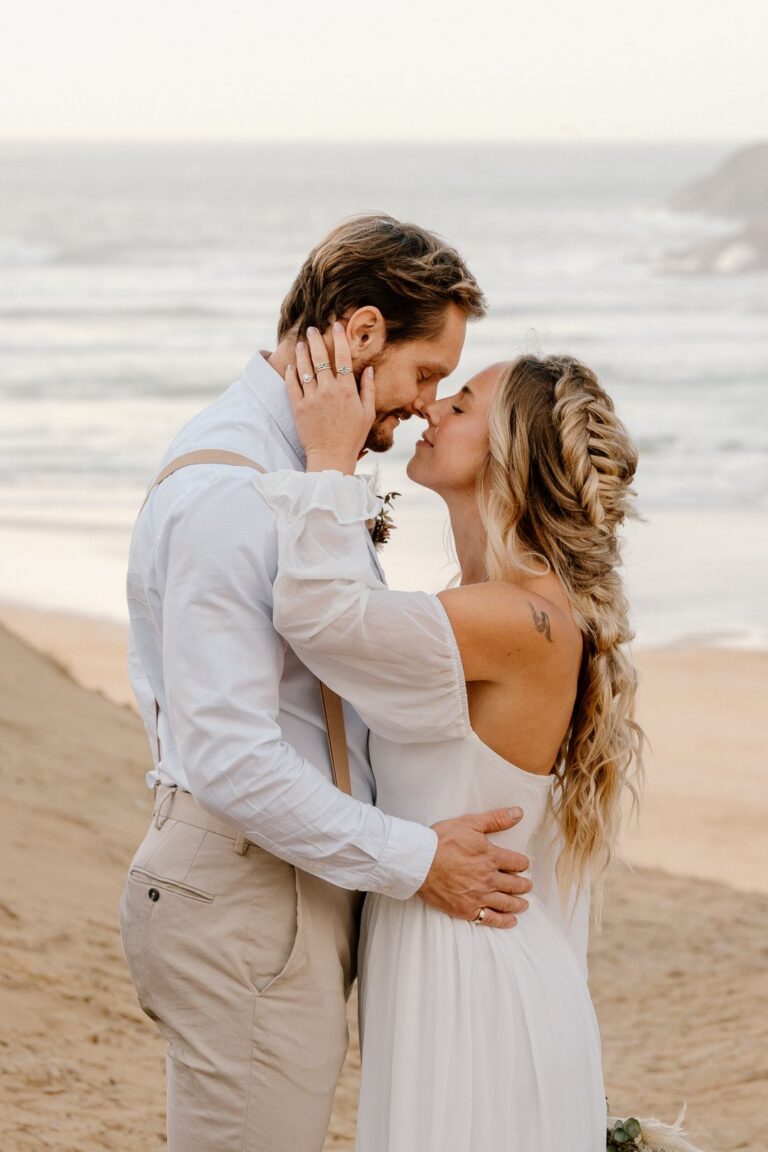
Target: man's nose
427	410
425	407
427	392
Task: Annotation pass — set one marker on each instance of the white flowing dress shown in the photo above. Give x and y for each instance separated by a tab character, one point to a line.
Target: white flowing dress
473	1039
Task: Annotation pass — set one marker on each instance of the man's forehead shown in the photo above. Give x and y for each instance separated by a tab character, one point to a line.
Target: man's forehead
438	368
443	360
446	349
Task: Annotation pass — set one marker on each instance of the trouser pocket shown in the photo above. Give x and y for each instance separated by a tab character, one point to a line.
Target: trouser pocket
156	884
196	915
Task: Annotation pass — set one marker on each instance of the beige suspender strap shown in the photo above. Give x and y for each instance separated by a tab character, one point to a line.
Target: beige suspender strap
332	706
203	456
333	711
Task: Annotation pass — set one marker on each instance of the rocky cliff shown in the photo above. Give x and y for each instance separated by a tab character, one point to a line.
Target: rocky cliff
738	191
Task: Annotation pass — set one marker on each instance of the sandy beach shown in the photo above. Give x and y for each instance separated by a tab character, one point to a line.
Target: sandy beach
678	974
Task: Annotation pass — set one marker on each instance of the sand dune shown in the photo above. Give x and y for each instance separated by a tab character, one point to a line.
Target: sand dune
678	974
706	796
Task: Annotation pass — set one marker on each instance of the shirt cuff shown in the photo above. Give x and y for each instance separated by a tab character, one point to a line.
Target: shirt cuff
406	860
294	495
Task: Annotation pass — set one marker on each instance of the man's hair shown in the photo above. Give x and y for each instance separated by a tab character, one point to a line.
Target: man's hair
409	274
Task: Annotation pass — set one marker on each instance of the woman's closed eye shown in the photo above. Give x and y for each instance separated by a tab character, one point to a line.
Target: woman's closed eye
456	408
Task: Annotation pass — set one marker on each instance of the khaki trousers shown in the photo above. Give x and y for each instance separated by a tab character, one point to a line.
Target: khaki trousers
245	964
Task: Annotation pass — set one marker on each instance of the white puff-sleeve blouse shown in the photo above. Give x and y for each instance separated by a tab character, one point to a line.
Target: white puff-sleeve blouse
392	655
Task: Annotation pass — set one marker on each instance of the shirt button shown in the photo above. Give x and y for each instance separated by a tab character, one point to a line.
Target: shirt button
153	894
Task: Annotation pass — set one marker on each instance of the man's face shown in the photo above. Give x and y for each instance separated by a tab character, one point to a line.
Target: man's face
407	376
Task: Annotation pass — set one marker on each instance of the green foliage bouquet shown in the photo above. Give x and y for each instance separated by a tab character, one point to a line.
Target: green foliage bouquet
647	1135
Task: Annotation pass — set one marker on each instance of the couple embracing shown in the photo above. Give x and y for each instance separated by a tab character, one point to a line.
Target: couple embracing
460	758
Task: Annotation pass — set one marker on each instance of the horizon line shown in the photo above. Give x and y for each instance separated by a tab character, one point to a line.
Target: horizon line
355	142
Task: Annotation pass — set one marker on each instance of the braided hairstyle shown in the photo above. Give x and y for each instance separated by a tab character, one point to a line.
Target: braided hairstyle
555	489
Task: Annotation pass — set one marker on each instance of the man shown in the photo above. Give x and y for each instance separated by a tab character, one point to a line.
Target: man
239	915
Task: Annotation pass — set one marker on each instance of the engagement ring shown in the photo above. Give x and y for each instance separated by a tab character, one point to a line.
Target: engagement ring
320	367
307	377
344	370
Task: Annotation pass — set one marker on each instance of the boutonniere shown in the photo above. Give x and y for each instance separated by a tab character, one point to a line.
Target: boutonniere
381	525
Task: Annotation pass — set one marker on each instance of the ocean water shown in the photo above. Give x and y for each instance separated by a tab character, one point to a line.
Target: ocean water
136	281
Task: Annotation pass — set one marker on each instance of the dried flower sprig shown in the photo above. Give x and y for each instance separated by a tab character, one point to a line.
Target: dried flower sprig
381	525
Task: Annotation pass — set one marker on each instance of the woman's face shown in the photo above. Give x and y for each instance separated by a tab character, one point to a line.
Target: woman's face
454	447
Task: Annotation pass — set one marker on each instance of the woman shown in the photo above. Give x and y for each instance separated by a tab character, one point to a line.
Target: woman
511	688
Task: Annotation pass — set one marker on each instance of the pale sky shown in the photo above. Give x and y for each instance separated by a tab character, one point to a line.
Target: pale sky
401	69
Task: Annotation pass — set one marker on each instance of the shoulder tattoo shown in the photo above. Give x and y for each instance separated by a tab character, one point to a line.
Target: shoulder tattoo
541	622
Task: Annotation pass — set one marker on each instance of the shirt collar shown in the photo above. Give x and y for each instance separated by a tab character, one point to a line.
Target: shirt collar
268	386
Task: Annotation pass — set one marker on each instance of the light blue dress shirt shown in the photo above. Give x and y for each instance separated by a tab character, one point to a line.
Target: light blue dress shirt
241	723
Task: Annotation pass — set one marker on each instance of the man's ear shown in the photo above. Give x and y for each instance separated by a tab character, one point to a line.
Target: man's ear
366	333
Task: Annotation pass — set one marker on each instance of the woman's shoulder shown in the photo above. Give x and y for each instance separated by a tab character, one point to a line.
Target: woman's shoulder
500	624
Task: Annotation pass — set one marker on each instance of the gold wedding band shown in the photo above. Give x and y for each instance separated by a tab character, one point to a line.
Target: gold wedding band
320	367
480	917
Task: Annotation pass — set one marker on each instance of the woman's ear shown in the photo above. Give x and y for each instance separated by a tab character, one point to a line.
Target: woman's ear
366	333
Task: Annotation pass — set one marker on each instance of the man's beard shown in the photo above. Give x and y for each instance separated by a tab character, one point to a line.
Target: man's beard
382	436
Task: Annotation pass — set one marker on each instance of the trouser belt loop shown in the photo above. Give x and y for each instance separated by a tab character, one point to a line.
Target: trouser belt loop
242	844
163	812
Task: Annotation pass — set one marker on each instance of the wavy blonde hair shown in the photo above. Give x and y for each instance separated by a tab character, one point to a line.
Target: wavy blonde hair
554	491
